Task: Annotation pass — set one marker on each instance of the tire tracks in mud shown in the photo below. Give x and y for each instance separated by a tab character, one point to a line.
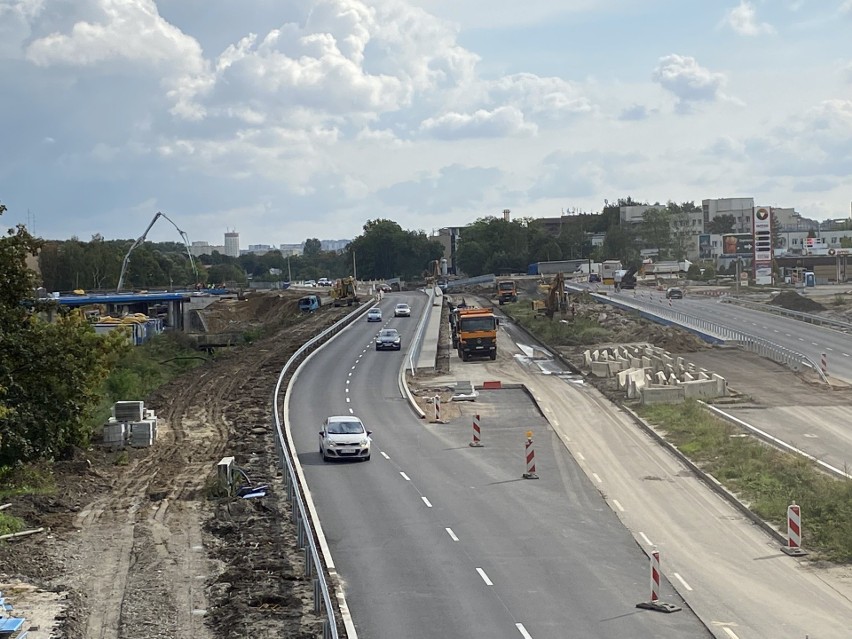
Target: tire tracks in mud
141	554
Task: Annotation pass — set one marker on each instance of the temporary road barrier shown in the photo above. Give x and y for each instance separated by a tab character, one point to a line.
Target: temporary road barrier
437	402
654	602
823	364
476	433
794	531
530	455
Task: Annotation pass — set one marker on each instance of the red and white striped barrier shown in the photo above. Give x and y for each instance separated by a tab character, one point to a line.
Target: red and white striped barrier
437	402
794	532
476	433
823	364
654	602
794	526
655	575
530	455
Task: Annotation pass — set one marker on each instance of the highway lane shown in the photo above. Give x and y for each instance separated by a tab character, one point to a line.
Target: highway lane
435	539
802	337
732	574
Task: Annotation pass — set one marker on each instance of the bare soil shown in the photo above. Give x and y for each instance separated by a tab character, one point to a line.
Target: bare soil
137	545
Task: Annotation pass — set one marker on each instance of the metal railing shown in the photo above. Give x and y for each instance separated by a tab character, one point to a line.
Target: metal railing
417	342
810	318
752	343
305	535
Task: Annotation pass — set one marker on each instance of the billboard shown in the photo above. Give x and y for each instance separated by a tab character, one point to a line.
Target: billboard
762	225
737	244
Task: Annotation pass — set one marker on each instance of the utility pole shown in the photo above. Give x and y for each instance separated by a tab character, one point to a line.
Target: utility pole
289	274
354	268
738	277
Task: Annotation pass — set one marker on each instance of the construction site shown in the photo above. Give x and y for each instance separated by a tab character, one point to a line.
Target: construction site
137	544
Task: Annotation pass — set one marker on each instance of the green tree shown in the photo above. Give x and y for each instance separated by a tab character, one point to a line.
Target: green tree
721	224
312	247
656	230
51	373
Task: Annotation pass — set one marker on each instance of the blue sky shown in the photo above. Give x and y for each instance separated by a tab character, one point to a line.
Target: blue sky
306	118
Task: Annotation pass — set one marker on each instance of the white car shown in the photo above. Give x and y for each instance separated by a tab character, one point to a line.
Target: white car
402	310
344	437
374	315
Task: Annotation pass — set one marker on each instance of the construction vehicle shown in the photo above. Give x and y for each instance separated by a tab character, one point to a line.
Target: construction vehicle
556	299
345	291
475	333
141	239
506	291
625	279
309	303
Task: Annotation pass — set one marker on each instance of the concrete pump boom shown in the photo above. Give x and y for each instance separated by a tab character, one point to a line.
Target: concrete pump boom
141	239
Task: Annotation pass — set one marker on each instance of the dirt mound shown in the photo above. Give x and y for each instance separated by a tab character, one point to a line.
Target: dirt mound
794	302
256	309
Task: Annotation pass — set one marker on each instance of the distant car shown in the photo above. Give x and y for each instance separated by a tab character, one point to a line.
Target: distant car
388	340
674	293
594	277
323	281
374	315
344	437
310	283
384	288
402	310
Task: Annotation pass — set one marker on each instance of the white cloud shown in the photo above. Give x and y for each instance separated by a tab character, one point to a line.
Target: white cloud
846	7
743	20
688	81
548	98
634	112
501	122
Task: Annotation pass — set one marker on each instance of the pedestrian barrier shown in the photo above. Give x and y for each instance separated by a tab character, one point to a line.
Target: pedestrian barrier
530	456
476	433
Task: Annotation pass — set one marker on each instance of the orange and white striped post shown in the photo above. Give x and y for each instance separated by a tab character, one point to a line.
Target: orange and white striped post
476	433
823	364
437	402
530	456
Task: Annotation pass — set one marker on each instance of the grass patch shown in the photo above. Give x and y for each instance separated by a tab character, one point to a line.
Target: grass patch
22	480
763	477
577	331
10	524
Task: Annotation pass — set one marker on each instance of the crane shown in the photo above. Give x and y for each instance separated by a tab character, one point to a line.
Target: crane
141	239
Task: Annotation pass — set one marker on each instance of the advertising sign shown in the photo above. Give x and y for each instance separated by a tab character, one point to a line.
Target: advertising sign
705	250
762	244
737	244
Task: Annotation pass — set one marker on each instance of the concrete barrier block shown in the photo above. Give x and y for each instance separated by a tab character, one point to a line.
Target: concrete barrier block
721	385
600	369
587	358
687	377
662	395
703	376
699	389
660	378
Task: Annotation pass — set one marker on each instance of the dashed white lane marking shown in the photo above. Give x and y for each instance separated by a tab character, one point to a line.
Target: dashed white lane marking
347	390
523	631
427	502
830	350
681	580
597	478
404	476
485	578
845	354
580	456
353	367
555	423
645	537
385	455
801	340
451	534
814	344
618	505
788	334
349	375
351	412
730	633
774	330
348	400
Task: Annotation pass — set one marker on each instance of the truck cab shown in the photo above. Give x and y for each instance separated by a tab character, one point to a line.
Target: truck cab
309	303
506	291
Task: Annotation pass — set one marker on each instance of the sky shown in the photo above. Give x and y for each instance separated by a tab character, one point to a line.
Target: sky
287	120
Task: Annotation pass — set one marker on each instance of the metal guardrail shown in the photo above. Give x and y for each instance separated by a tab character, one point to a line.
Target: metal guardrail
810	318
472	281
752	343
417	342
305	535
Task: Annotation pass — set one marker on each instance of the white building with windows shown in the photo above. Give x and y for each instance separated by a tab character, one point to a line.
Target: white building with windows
741	208
232	244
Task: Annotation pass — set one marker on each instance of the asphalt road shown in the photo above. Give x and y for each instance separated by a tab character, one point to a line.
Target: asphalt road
433	538
801	337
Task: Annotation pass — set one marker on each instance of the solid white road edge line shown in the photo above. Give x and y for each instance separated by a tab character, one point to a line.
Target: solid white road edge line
618	505
645	537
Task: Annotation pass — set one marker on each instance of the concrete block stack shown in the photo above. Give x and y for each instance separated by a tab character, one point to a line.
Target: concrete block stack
131	424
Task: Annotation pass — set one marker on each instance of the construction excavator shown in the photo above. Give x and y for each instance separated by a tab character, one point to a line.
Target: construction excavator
141	240
556	300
